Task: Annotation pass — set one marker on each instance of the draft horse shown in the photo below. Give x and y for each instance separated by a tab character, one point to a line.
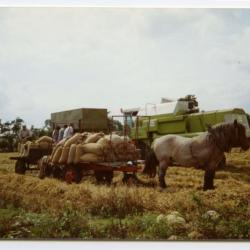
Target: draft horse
204	151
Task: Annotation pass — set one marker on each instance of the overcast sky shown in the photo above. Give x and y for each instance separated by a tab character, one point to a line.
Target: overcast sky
54	59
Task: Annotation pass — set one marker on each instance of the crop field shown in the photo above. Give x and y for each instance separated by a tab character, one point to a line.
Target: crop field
31	208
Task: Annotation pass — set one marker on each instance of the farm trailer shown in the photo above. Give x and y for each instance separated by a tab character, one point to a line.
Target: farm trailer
103	171
24	162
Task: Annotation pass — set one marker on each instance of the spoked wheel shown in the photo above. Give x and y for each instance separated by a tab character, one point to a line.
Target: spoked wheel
130	178
45	169
20	166
73	175
104	177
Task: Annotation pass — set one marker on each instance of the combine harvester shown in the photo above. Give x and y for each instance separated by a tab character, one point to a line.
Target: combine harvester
181	117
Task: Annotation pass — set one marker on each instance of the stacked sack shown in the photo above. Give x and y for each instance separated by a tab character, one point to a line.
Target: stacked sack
94	147
44	143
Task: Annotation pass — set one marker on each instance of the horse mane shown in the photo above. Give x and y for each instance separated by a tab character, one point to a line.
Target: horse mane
225	135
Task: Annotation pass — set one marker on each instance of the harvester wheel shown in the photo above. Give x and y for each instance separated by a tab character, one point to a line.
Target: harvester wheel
104	177
20	166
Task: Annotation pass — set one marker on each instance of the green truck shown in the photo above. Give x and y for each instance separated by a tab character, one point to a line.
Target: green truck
176	117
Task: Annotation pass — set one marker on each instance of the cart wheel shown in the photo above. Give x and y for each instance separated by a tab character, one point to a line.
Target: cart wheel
57	172
44	171
70	176
20	166
130	178
73	175
104	177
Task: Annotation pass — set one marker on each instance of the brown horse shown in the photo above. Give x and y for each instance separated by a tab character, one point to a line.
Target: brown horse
205	151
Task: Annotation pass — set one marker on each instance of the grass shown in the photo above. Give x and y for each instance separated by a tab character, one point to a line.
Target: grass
39	209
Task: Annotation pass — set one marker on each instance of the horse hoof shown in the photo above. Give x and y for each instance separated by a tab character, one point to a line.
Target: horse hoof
208	188
163	185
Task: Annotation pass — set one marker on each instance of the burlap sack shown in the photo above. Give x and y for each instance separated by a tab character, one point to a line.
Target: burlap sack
26	148
72	152
57	155
114	138
78	153
44	139
89	157
45	145
61	143
94	137
64	156
93	148
73	139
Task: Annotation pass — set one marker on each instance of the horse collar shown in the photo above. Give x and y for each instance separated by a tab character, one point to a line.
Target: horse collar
216	142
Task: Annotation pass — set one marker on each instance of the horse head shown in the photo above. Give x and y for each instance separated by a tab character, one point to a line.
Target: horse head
240	138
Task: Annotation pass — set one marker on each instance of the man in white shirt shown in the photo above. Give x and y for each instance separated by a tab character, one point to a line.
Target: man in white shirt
69	131
24	133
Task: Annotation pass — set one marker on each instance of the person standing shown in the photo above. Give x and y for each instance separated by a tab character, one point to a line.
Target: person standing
55	134
24	134
69	131
61	133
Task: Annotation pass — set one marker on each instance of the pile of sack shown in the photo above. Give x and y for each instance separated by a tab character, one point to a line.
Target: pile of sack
94	147
44	143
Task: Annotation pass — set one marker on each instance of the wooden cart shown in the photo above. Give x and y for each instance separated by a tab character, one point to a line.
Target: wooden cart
30	161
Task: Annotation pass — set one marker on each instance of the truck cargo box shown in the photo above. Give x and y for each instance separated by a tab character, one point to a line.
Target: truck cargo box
83	119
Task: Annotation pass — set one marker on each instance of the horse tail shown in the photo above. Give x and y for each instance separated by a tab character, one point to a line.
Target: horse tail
151	163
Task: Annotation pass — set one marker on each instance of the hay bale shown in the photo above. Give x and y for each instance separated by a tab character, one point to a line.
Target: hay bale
64	156
93	148
89	157
73	140
72	152
94	137
57	155
44	139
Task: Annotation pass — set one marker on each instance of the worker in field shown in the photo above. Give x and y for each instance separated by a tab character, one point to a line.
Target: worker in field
69	131
55	134
24	134
61	133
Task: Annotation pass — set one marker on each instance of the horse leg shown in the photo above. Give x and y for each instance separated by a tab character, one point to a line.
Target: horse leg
162	173
209	179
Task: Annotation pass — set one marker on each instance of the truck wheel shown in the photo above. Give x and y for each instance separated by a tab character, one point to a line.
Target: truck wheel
104	177
20	166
